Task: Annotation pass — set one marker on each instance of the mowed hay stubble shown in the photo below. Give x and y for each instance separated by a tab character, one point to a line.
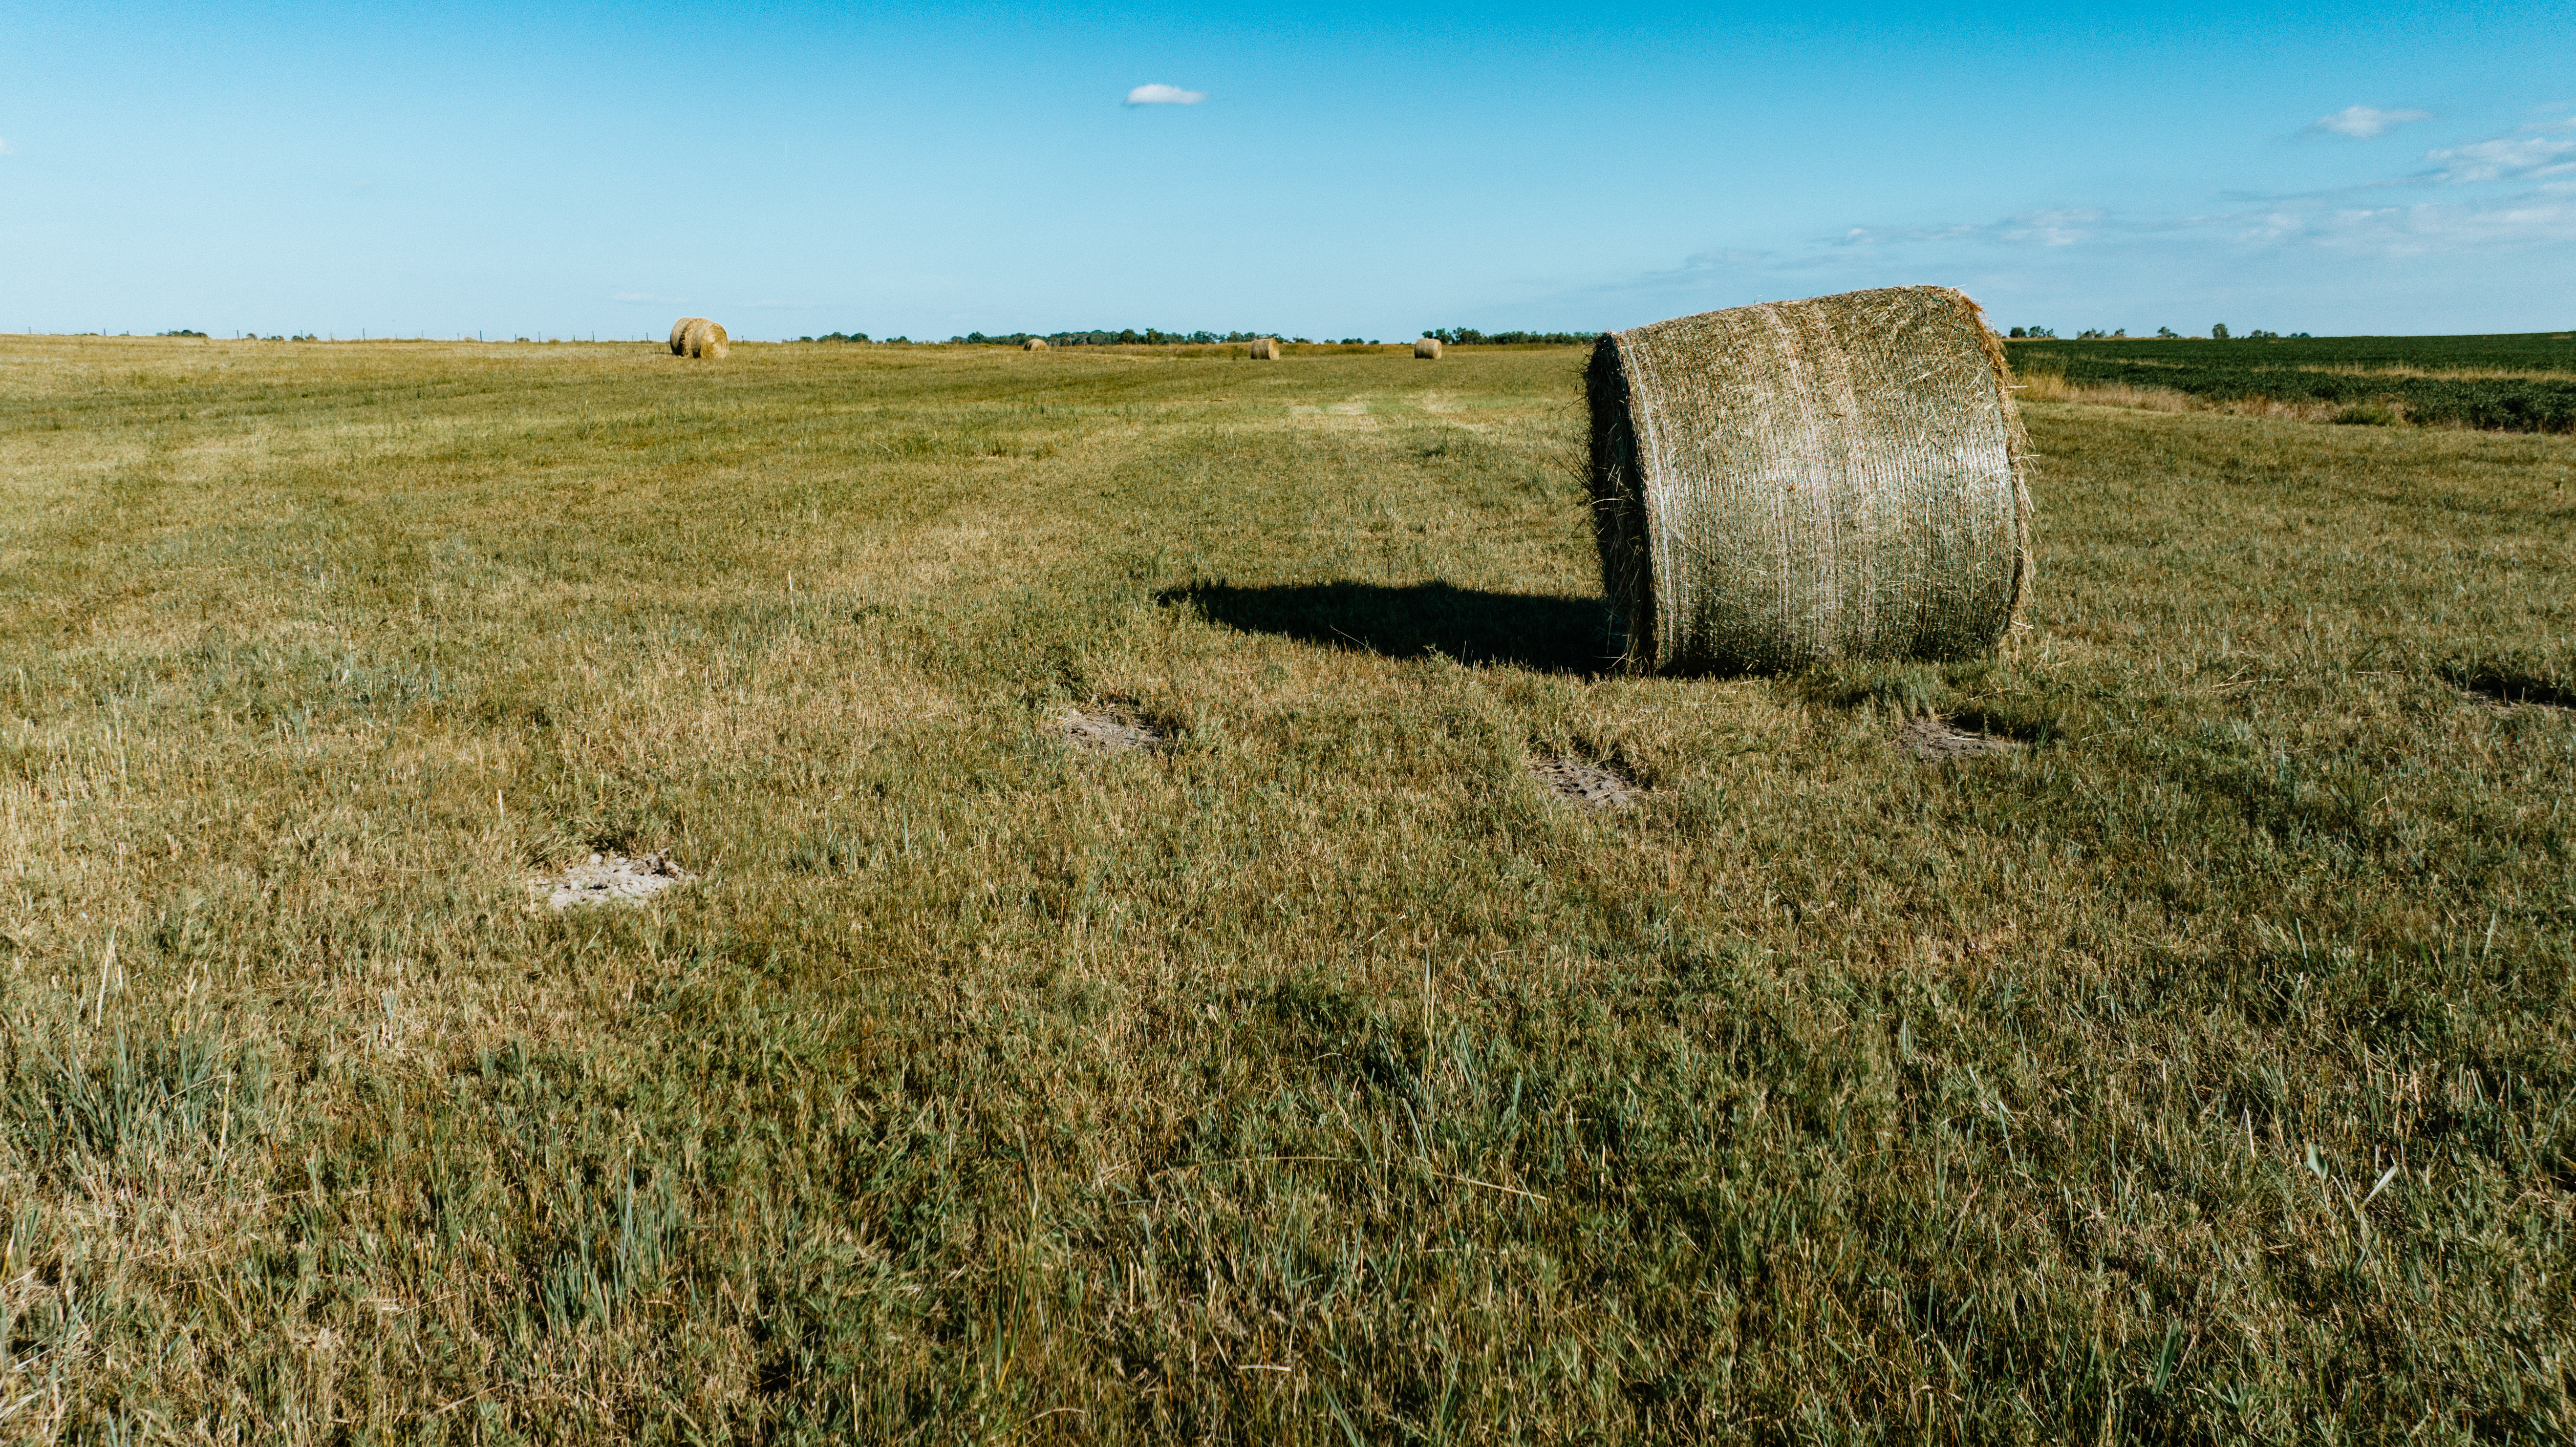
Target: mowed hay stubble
978	1076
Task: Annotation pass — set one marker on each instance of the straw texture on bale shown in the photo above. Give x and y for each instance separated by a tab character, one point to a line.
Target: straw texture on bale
705	340
1034	344
1265	349
1780	485
1427	348
680	335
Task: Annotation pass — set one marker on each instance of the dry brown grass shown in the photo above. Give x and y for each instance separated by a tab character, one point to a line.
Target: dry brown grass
1315	1077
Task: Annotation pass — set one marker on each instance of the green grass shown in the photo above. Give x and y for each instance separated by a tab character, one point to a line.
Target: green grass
1319	1079
2514	383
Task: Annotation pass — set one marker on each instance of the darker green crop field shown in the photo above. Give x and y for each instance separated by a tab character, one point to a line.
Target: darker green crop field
2201	1068
2514	383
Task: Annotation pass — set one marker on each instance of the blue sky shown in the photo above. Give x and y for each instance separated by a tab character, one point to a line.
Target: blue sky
539	169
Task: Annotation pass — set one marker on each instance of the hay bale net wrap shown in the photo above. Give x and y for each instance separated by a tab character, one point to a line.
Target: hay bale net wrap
705	339
1427	348
1782	484
1265	349
680	335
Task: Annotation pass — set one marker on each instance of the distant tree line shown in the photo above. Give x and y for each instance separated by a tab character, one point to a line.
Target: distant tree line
1470	337
1123	337
1156	337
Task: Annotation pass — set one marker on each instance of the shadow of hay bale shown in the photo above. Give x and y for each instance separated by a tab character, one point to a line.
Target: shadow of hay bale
1471	625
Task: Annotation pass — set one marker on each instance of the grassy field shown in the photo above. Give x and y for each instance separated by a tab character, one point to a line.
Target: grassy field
2517	383
2200	1070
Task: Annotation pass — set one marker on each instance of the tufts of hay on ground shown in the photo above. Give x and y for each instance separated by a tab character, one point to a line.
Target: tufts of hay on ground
705	340
1034	344
1778	485
680	335
1265	349
1427	348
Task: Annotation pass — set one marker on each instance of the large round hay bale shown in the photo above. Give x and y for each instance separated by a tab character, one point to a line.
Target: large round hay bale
1778	485
680	335
1265	349
706	339
1426	348
1034	344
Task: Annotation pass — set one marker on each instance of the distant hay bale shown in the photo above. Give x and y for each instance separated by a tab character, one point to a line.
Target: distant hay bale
1034	344
1783	484
1427	348
680	335
705	339
1265	349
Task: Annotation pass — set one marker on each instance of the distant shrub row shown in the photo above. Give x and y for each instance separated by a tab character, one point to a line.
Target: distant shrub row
1470	337
1153	337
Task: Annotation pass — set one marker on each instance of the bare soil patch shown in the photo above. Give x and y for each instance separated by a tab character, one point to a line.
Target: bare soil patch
1586	784
609	879
1108	733
1932	737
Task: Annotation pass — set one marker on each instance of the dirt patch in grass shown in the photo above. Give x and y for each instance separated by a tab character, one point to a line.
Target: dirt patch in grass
1585	784
609	879
1111	733
1933	738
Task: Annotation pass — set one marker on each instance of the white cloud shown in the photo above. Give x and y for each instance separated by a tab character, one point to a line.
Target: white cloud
5	149
1164	95
2363	122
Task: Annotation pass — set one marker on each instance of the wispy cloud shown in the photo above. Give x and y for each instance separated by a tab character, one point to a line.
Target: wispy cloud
2531	153
1159	94
2539	159
2363	122
2058	227
5	148
2483	224
2540	217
